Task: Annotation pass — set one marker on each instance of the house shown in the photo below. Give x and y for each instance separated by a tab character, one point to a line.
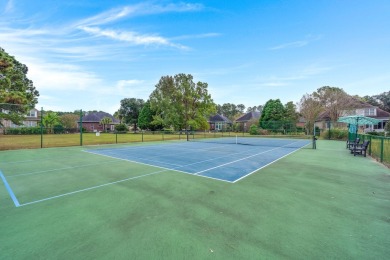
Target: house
247	120
359	108
91	122
219	123
32	119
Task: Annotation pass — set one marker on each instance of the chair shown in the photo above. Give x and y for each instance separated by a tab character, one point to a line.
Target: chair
362	150
352	143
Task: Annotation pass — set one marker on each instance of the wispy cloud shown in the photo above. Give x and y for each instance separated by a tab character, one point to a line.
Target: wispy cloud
196	36
9	7
301	74
296	44
137	10
131	37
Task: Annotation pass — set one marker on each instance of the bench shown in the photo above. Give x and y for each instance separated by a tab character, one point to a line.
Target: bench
352	143
361	149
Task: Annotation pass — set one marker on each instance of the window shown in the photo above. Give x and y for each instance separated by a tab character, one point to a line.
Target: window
370	111
32	113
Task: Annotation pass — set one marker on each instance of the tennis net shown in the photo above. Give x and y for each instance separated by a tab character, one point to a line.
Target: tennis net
290	142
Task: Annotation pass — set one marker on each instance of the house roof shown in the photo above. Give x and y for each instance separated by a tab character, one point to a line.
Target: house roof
98	116
380	113
358	104
249	116
219	118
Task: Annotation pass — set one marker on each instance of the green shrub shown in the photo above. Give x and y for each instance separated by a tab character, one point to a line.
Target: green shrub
121	128
335	134
253	130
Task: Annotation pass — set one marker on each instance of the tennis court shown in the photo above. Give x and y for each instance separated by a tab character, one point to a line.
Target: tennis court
183	200
225	159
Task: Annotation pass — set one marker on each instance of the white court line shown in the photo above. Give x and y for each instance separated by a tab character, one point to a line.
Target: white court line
140	176
10	192
242	177
59	169
241	159
90	188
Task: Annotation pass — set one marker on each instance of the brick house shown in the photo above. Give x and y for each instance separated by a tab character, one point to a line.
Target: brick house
91	122
219	123
246	120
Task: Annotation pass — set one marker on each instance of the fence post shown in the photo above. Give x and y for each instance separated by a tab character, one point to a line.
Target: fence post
369	146
382	144
81	127
41	127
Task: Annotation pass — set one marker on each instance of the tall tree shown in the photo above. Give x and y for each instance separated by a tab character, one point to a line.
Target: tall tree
310	107
272	115
145	118
181	103
241	108
258	108
69	120
17	93
334	101
291	115
228	109
381	100
129	110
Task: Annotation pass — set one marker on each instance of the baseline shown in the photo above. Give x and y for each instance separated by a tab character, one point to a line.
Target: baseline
10	192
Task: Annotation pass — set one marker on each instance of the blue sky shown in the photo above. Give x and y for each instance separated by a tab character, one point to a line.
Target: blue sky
90	54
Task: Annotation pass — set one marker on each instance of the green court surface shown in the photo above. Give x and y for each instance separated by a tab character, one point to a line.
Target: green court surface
312	204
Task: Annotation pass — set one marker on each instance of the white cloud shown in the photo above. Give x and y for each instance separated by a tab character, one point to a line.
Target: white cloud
296	44
58	76
9	6
136	10
131	37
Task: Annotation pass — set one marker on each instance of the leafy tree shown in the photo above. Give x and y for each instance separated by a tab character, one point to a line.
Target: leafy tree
17	93
381	100
69	120
290	116
181	103
129	111
230	110
334	101
258	108
50	119
145	119
387	128
310	107
384	100
241	108
105	121
272	115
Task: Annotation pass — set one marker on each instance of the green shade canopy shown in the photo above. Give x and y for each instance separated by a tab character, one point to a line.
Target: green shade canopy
359	120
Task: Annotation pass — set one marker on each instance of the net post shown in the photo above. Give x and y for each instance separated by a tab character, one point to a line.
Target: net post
41	127
236	139
81	127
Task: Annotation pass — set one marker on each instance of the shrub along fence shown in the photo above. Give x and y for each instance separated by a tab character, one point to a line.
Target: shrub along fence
379	147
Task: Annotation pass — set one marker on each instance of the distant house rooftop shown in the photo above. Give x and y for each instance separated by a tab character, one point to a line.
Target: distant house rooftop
248	116
98	116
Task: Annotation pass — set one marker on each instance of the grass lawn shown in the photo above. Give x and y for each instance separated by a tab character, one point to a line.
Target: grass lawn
312	204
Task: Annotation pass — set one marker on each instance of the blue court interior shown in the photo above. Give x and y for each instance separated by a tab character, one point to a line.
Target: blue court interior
228	162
